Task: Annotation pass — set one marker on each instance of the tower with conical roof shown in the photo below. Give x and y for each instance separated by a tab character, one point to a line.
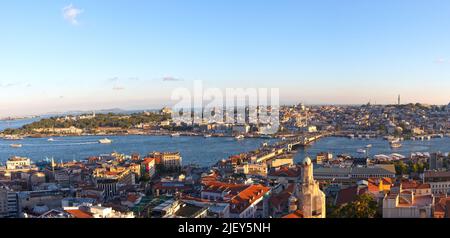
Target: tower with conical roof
311	200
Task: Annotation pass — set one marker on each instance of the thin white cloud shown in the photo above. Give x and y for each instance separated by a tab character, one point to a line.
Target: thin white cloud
440	60
71	14
118	88
113	79
171	79
117	79
15	84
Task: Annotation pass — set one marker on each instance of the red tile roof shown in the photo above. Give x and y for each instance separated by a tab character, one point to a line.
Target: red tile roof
132	198
412	184
346	195
295	215
76	213
219	187
149	160
246	197
286	172
282	198
442	206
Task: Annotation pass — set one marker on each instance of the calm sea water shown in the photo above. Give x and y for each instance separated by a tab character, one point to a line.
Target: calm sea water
196	150
342	145
13	124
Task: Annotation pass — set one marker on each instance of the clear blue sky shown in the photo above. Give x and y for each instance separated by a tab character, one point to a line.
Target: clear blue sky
84	54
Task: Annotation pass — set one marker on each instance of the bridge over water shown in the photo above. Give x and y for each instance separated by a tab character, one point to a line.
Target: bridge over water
299	141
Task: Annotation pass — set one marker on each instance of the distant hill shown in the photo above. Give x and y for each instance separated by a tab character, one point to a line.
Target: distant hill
102	111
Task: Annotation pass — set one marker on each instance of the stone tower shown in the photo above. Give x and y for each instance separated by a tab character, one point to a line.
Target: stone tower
311	200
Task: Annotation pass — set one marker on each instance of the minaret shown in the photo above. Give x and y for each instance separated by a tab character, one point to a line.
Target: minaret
307	171
398	100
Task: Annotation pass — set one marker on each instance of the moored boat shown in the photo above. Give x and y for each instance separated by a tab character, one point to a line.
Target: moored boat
105	141
175	135
13	137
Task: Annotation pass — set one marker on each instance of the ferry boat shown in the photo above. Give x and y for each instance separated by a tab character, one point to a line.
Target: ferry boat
16	145
105	141
394	140
396	145
175	135
239	137
266	137
207	136
361	151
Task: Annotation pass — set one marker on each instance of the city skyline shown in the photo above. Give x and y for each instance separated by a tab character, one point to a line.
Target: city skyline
82	55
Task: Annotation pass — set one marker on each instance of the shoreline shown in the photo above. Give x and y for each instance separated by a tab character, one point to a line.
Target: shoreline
246	136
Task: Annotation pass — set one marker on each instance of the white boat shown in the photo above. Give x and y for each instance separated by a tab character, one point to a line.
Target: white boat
239	137
175	135
16	145
207	136
51	139
105	141
369	146
13	137
361	151
396	145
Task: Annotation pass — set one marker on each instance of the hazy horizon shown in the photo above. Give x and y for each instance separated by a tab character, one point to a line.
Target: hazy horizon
85	55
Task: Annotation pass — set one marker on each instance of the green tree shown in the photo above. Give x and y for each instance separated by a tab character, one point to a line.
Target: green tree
364	206
400	168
